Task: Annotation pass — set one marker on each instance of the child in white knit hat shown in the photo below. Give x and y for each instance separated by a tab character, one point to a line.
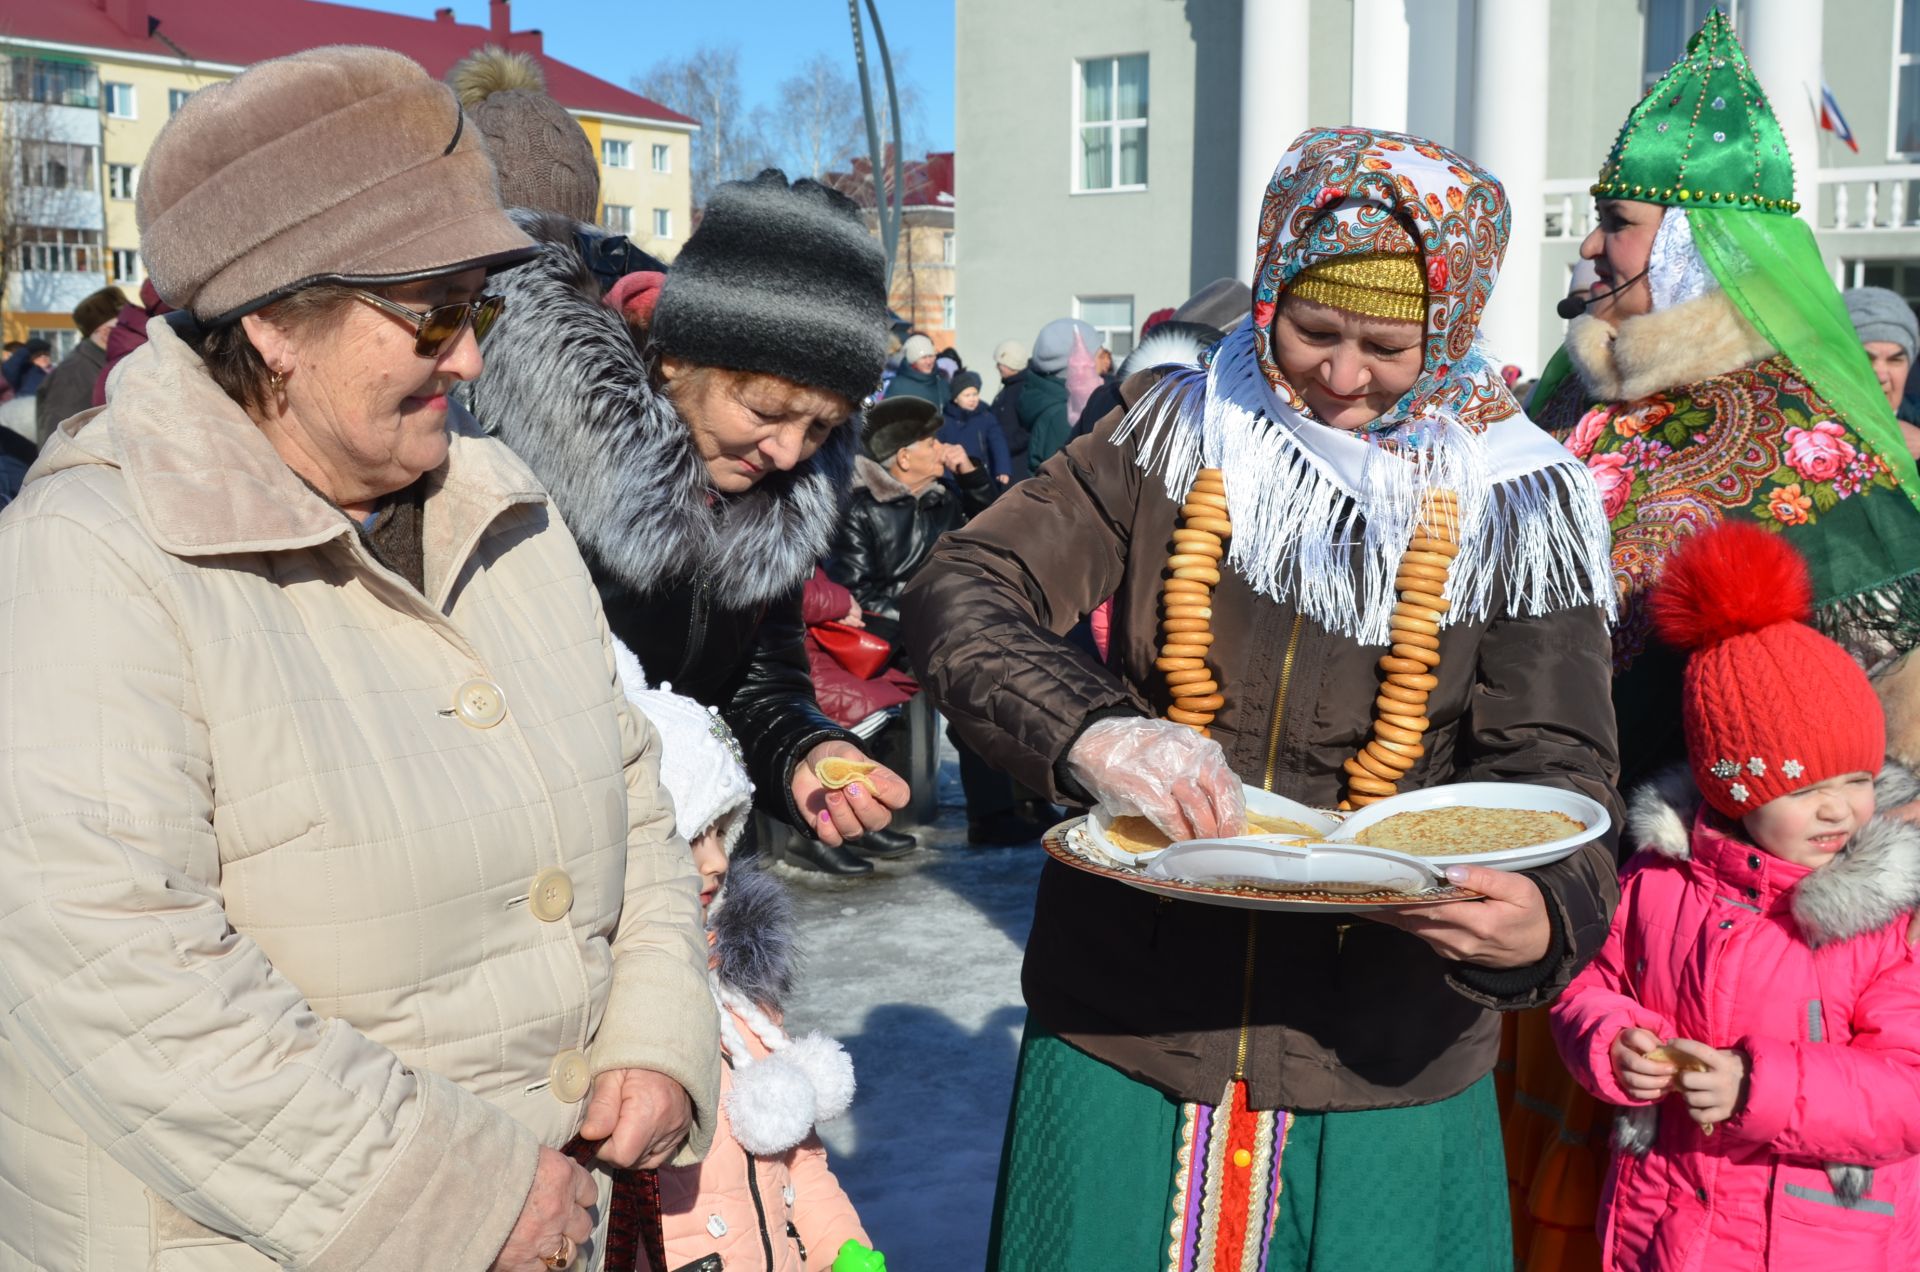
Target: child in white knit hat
765	1189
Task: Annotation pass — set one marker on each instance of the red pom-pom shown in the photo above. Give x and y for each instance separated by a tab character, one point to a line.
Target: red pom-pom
1732	579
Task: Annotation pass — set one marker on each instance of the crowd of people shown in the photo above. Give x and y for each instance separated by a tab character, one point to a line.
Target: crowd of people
430	616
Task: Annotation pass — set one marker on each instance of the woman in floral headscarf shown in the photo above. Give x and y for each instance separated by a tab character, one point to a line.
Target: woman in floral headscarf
1208	1088
1718	376
1714	376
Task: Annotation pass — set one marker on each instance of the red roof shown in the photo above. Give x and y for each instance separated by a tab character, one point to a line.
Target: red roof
929	181
239	32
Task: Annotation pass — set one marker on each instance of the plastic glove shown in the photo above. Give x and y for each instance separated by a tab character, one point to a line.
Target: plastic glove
854	1257
1162	771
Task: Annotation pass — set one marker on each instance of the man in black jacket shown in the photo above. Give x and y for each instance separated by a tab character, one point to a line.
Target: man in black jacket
910	488
1010	358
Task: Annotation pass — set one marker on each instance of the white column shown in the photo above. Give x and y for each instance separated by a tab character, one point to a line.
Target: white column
1507	135
1273	104
1380	64
1783	41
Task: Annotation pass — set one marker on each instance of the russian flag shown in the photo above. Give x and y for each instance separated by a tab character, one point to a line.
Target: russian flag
1833	121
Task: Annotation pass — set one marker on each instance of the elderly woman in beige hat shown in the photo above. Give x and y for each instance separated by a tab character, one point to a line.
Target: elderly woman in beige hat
340	891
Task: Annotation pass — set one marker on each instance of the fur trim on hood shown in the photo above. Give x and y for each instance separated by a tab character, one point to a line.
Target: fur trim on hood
1170	344
1874	881
1675	347
754	949
567	389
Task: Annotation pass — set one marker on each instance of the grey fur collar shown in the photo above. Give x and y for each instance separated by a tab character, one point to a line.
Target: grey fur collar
1873	883
871	476
752	921
1699	338
566	388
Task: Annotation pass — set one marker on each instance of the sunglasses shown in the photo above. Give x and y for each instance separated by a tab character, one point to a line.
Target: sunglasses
436	330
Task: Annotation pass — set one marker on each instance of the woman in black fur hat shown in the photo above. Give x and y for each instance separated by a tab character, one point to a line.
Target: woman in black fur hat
697	433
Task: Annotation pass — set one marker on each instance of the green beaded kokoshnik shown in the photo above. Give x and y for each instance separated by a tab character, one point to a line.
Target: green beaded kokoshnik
1704	134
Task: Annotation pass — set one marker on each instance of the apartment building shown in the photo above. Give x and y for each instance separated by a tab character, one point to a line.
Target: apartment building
90	83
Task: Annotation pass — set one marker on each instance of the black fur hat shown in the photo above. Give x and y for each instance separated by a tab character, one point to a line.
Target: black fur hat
897	423
783	279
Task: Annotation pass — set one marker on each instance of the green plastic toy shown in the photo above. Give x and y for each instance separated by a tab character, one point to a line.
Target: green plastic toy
854	1257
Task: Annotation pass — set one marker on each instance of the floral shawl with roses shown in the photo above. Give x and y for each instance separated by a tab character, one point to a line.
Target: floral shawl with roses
1760	443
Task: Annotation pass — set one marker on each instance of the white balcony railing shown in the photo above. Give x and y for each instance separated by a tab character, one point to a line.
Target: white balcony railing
1883	198
1877	198
1569	208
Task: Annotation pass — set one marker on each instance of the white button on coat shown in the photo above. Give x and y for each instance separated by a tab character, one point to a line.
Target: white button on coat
568	1076
716	1226
551	895
480	703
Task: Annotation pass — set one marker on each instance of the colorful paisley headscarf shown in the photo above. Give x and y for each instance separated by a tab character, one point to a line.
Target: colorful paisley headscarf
1321	515
1352	191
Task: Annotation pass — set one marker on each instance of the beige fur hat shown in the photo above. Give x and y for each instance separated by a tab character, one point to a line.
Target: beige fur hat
540	151
339	164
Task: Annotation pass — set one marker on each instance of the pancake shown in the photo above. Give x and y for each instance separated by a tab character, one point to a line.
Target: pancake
1454	832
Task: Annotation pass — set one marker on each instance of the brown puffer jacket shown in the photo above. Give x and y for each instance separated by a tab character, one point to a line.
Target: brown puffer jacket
1317	1012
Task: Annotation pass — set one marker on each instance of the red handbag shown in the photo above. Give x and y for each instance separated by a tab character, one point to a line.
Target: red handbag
855	648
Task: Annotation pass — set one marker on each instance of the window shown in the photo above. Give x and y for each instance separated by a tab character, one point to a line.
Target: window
1670	24
57	83
1906	88
1111	95
1112	317
58	165
176	98
120	180
662	158
63	339
616	154
126	265
58	251
617	217
662	223
120	101
946	310
946	248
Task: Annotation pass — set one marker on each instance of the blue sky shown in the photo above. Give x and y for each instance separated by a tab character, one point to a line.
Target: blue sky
618	41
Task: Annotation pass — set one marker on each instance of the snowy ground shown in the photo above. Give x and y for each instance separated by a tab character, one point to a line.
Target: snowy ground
916	970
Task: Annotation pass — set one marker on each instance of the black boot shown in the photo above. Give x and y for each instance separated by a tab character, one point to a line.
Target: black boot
812	854
883	845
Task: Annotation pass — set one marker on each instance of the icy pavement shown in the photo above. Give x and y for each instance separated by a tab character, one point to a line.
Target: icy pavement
916	970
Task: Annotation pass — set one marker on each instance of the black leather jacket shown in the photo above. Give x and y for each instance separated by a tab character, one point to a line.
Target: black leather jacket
888	533
750	663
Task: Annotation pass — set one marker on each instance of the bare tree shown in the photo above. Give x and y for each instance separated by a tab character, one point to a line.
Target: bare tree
818	126
706	85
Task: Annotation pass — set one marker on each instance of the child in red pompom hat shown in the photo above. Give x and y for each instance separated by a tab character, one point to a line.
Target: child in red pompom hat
1756	1006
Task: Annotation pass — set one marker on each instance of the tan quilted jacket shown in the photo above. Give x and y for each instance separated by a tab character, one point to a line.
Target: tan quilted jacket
276	980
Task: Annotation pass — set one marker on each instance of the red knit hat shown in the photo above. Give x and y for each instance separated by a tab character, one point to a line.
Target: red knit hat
1769	704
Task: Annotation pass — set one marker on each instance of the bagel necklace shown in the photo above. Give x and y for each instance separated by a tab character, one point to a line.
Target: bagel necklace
1186	602
1400	711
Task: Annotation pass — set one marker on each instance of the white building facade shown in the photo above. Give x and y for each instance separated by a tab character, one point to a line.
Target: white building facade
1120	148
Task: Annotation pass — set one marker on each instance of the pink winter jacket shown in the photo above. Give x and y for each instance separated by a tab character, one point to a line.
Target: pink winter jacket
1809	972
777	1212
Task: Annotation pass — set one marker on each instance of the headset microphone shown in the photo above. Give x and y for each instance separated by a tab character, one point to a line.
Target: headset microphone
1571	308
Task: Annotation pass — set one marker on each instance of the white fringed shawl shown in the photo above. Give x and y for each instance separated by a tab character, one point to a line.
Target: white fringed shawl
1306	499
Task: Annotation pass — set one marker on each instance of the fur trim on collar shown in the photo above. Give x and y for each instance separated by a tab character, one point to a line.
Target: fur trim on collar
755	951
1670	349
1171	344
566	388
1873	883
871	476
